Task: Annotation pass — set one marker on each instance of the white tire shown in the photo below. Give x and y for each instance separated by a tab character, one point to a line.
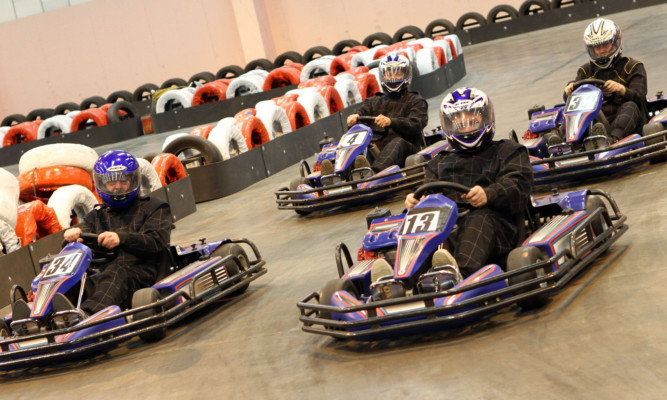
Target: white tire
376	73
228	138
183	96
363	58
344	76
274	118
426	61
9	242
72	114
457	43
348	91
62	122
171	138
316	67
3	130
9	197
150	180
52	155
425	42
314	103
248	83
444	45
70	198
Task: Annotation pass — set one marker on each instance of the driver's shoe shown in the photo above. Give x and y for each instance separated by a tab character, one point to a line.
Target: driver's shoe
65	314
326	168
361	162
443	258
380	269
599	130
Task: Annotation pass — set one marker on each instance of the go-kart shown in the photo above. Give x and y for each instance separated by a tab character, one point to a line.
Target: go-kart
194	277
563	234
347	185
563	145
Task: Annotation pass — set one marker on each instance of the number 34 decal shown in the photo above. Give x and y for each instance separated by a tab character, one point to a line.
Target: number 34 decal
63	265
422	222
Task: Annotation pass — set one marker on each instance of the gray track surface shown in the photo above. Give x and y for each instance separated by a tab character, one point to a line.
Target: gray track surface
600	338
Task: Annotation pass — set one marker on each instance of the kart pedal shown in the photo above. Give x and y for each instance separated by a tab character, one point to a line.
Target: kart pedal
362	173
24	327
66	319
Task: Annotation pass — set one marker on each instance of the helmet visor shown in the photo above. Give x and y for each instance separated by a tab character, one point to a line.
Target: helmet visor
465	122
117	183
602	51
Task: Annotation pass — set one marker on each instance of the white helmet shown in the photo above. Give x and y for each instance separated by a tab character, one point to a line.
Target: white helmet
395	73
467	118
603	41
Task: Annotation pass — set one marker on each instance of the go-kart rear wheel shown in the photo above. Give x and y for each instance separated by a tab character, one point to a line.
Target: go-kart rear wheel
332	287
143	297
294	183
592	204
523	257
233	268
5	332
649	129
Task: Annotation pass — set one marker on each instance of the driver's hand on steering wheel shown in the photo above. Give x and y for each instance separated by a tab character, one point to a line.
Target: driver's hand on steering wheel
476	196
411	201
611	87
352	119
569	88
382	121
108	240
73	235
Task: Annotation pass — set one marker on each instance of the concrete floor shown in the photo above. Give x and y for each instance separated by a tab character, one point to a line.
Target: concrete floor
601	337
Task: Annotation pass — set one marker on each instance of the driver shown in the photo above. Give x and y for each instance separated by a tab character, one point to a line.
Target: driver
498	172
625	80
401	113
139	227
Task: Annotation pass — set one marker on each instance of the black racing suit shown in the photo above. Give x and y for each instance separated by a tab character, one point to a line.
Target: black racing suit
626	114
502	168
408	112
144	229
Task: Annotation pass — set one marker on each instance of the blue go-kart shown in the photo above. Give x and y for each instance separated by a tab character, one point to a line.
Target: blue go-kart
192	278
563	234
563	145
312	191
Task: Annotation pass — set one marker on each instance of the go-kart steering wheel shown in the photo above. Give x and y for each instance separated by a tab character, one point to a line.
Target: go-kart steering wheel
366	119
101	255
590	81
440	185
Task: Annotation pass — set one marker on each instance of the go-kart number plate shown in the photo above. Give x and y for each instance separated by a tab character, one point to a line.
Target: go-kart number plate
352	139
582	102
420	223
63	265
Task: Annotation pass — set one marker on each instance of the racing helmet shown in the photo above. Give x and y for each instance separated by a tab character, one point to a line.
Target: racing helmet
117	178
467	119
395	73
603	41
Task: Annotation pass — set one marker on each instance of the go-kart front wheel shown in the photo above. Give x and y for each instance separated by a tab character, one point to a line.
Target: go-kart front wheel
144	297
233	268
294	183
332	287
5	332
649	129
523	257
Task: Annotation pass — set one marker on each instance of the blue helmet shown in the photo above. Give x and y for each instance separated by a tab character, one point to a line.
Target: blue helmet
117	178
395	73
467	118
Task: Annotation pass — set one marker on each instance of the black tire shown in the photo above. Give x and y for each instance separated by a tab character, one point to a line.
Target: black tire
144	92
174	82
5	332
228	72
13	119
408	32
332	287
65	108
292	56
40	113
470	20
413	160
119	95
564	3
206	148
343	46
97	101
143	297
592	204
294	183
201	77
260	63
439	27
318	51
501	13
649	129
377	38
530	7
114	111
233	268
521	257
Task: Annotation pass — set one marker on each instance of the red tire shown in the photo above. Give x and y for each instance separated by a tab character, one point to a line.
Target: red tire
40	183
211	92
321	81
169	168
296	113
367	85
23	132
97	115
35	220
253	130
341	63
202	131
332	98
440	55
287	75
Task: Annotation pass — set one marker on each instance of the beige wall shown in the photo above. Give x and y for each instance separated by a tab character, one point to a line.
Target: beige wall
98	47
